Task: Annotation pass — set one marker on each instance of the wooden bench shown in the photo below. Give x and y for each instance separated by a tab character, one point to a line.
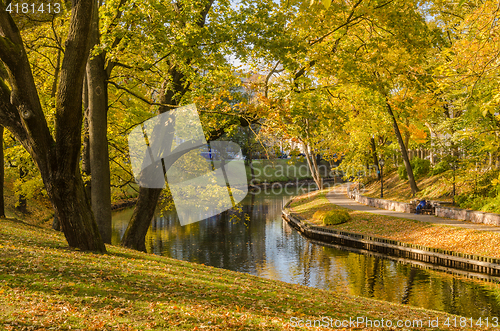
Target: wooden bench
429	208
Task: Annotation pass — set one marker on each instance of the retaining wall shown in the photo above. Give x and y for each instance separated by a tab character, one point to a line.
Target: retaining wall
468	215
441	211
449	259
401	207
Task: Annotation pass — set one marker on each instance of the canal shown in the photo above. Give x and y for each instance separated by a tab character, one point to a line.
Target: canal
257	241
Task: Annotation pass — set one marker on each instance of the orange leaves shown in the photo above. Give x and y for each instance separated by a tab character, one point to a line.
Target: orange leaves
417	134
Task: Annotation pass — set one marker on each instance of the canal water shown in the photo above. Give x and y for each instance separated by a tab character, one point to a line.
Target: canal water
257	241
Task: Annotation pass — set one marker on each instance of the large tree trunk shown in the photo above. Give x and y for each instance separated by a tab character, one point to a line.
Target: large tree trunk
72	207
97	124
135	235
404	153
2	174
21	113
144	210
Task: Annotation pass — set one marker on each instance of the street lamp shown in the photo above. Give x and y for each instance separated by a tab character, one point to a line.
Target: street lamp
381	162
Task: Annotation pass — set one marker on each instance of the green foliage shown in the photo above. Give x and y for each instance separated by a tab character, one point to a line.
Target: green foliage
17	162
479	191
402	174
465	200
332	217
420	168
277	170
441	167
478	202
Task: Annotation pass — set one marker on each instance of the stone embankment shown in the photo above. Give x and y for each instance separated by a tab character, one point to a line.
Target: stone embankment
471	265
473	216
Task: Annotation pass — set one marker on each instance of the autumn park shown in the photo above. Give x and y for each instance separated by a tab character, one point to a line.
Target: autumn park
249	165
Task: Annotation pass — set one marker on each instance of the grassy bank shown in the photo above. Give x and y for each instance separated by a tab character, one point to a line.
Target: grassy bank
431	235
45	285
432	188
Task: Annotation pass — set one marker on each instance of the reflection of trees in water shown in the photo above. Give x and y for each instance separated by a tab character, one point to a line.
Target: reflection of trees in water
268	247
372	276
384	279
408	287
219	241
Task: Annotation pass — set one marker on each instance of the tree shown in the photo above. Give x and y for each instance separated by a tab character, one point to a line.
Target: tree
184	61
2	176
57	157
97	121
404	151
368	45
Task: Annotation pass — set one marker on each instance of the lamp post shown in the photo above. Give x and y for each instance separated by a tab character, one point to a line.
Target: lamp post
381	163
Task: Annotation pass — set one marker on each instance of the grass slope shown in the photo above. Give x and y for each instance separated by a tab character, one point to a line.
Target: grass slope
432	188
44	285
410	231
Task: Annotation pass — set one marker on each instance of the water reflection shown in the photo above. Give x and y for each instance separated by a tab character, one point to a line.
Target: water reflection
267	246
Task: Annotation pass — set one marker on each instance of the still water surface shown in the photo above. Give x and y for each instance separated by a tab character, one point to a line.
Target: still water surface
266	246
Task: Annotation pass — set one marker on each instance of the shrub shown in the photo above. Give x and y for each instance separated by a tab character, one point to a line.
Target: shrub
332	217
441	167
420	168
470	201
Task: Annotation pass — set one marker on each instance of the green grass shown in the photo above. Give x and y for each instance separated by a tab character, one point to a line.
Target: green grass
455	239
278	170
431	188
46	285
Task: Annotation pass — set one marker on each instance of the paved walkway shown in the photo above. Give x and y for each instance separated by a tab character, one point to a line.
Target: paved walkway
341	199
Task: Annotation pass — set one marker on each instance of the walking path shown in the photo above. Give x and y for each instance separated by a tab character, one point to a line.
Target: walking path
341	199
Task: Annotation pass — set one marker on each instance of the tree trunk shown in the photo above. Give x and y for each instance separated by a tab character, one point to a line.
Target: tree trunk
313	167
57	157
2	174
97	121
374	156
145	207
87	171
72	207
316	169
55	223
404	154
144	210
21	203
56	75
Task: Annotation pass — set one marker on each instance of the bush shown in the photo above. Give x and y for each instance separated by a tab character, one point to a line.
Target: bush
332	217
420	168
441	167
470	201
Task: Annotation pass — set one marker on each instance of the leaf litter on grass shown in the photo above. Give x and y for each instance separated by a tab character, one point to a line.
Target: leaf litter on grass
47	286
